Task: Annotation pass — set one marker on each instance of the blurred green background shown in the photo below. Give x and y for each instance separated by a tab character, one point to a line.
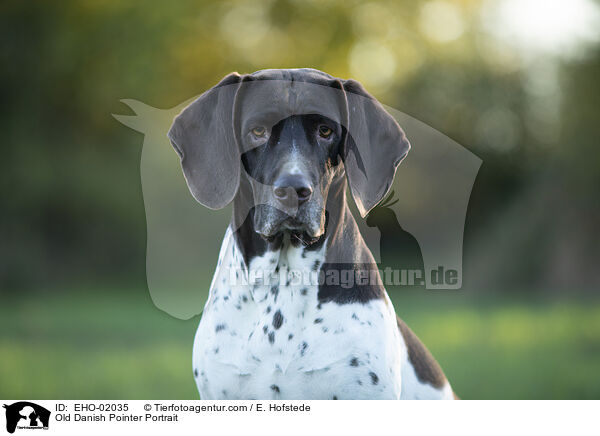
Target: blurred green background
514	81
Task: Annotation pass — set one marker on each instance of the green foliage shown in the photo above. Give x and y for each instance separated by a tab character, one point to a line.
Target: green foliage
72	203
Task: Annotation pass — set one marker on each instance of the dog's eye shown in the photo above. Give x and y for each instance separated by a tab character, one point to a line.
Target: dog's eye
325	131
259	131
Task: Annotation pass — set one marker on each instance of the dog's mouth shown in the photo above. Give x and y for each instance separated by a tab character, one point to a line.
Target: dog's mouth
292	224
295	231
299	232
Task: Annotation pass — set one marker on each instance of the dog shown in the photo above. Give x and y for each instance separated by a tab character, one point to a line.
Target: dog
283	146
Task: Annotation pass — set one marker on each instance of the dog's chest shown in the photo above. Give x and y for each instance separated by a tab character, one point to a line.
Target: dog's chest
274	340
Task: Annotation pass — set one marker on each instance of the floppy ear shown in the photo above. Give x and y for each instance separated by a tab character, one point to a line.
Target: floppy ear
202	134
374	147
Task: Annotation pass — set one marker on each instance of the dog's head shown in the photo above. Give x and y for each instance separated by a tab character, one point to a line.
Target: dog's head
289	135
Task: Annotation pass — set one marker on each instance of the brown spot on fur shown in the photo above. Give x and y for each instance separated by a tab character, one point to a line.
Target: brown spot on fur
426	367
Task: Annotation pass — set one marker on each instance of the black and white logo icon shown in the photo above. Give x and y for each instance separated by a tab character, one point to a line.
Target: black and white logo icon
26	415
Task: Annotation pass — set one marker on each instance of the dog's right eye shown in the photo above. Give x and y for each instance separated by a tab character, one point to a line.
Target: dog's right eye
325	131
259	131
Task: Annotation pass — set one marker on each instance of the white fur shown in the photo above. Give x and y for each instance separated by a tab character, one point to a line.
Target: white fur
349	351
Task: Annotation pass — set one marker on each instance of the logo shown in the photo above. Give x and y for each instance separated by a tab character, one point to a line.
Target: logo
26	415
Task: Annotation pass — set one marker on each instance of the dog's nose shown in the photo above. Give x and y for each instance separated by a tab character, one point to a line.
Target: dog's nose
286	185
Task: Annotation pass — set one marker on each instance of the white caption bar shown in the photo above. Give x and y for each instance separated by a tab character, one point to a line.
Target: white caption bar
299	417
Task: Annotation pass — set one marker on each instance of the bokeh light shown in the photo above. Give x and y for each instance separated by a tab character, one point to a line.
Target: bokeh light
559	27
441	21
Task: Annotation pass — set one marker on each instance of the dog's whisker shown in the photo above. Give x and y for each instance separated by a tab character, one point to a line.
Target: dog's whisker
300	239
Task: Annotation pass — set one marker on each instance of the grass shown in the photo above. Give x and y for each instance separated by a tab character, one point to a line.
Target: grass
120	346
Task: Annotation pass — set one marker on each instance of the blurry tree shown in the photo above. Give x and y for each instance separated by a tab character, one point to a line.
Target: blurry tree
72	209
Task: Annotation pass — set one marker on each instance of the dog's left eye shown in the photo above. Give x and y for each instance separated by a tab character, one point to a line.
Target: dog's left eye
259	131
325	131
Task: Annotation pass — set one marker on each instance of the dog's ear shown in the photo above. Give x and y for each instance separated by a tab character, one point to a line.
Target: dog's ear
203	136
374	147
